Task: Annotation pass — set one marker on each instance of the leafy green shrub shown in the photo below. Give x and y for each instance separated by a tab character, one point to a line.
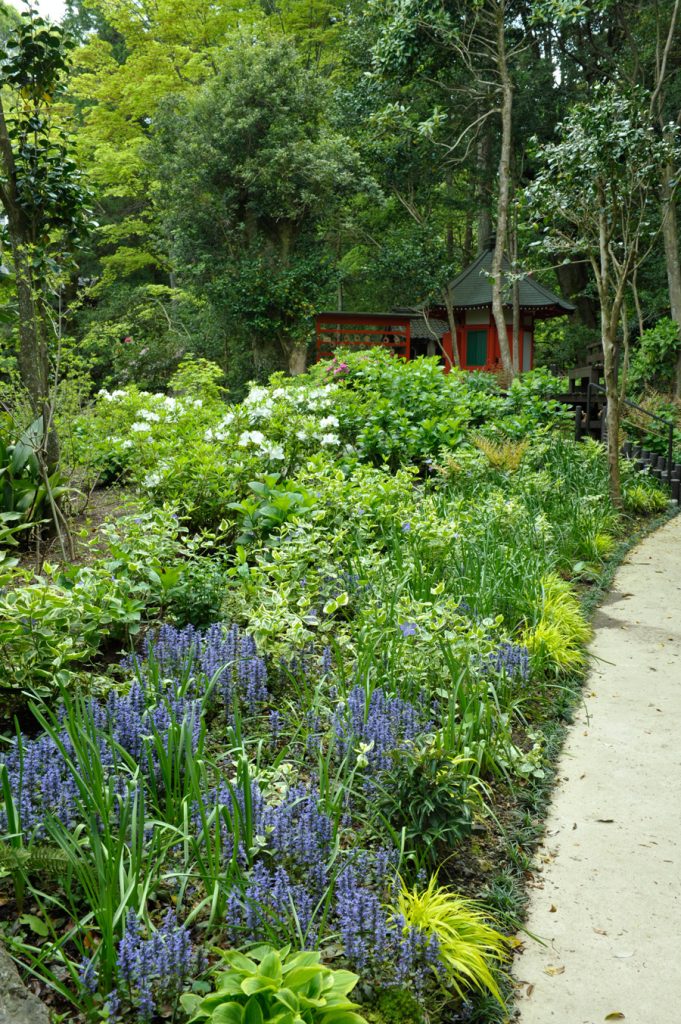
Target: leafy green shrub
653	362
195	591
276	987
471	950
431	796
197	378
270	505
397	1006
24	491
57	623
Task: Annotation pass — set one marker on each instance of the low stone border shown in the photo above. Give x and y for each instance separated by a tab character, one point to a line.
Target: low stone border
17	1004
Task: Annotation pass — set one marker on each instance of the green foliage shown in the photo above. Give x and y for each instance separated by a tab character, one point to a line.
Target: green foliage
608	157
53	627
560	632
270	986
49	186
471	950
254	147
271	506
25	491
397	1006
430	795
653	363
138	334
643	497
197	378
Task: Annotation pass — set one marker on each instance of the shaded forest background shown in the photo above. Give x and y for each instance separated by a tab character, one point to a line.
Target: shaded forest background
243	165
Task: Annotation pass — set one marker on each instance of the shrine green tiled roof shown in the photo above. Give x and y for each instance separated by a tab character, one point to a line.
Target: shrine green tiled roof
473	287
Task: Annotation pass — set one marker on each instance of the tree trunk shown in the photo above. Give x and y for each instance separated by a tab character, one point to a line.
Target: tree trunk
670	237
32	356
447	299
482	191
608	339
297	359
504	195
611	306
516	336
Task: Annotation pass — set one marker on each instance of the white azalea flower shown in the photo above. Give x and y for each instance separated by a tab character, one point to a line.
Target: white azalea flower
272	451
261	412
140	428
256	395
329	421
329	439
251	437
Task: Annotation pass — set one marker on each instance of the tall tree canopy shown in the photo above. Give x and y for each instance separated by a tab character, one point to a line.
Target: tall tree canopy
247	170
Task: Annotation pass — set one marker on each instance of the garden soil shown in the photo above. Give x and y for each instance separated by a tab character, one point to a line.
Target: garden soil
605	896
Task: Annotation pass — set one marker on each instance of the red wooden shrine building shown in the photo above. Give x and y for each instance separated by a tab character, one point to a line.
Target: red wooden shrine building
418	331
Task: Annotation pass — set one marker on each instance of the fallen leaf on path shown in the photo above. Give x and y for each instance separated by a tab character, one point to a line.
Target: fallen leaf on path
616	1015
605	821
553	908
623	956
530	990
600	931
553	970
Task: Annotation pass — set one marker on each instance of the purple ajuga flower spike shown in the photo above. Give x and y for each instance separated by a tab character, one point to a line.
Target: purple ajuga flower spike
156	967
87	974
380	723
510	659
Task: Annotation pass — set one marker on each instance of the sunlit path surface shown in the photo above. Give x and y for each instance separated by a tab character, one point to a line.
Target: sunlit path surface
607	889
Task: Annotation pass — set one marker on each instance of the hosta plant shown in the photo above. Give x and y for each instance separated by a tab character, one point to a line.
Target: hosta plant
272	986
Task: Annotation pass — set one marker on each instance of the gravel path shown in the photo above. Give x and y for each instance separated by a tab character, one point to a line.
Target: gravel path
606	895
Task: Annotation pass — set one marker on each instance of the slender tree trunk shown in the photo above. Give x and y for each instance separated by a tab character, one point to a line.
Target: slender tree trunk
516	300
449	229
504	195
608	338
610	311
482	191
670	236
447	299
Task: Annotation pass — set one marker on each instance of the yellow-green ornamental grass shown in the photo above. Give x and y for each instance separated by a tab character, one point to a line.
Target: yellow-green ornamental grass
560	635
471	949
